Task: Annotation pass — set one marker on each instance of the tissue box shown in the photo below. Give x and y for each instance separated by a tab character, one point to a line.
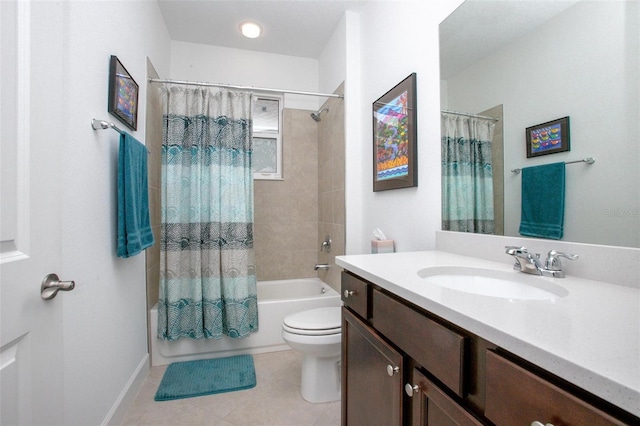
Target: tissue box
382	246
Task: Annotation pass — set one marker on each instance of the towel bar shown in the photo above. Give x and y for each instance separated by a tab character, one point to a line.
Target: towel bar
588	160
102	124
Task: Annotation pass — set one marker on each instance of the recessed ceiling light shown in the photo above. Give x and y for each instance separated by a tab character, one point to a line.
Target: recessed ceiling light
250	29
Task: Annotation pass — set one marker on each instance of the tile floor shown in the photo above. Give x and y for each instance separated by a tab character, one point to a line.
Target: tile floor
275	401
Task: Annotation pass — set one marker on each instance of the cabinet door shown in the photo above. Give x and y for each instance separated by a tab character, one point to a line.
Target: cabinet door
431	406
371	376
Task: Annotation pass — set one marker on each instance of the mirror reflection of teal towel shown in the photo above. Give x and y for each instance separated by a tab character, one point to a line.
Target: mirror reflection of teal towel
543	190
134	225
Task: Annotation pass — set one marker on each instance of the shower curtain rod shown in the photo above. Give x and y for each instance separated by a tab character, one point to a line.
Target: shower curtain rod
466	114
250	88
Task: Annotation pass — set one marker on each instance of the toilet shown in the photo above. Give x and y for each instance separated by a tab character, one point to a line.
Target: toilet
317	334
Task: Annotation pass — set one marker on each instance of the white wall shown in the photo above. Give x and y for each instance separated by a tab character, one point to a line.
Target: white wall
395	39
598	87
332	63
104	319
215	64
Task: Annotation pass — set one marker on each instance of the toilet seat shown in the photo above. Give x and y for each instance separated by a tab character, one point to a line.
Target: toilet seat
314	322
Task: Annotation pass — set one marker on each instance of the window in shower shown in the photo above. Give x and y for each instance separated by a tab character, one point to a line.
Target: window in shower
267	137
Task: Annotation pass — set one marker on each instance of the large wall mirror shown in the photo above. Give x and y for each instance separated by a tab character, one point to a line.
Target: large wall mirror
530	62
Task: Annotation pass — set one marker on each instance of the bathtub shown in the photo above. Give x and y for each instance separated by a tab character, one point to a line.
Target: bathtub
276	299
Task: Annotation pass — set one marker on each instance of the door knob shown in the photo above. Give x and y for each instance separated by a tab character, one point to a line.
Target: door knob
51	284
391	370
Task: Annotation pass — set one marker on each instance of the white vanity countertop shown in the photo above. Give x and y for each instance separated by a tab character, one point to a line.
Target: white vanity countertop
590	337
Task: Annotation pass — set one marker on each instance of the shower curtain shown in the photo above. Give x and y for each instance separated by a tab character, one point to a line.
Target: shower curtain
467	176
207	262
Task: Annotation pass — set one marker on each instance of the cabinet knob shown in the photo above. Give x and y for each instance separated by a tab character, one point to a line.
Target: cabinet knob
392	370
537	423
348	293
410	390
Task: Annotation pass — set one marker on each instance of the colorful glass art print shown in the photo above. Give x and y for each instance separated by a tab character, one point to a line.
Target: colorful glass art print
392	141
548	138
123	94
394	137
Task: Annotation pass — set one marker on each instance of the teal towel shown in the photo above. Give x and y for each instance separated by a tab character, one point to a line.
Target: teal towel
543	201
134	225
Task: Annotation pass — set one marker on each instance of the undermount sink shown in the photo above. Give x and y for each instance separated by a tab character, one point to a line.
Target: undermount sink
493	283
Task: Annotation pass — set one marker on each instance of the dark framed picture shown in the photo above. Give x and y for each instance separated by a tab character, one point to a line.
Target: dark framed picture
395	137
123	94
548	138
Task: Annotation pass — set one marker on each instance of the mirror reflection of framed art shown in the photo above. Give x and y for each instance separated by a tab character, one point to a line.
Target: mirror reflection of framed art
548	138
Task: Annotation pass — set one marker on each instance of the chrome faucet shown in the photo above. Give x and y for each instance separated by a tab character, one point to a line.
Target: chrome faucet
525	261
323	266
326	244
530	263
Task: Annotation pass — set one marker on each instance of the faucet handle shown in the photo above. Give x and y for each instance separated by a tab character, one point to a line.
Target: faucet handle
553	260
326	244
512	250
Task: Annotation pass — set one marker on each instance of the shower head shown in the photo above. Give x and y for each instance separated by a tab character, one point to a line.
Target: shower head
316	115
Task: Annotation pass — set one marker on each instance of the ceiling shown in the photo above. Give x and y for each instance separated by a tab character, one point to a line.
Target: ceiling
302	28
479	27
290	27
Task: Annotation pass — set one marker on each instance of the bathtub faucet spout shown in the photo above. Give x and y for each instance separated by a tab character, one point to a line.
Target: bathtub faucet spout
322	266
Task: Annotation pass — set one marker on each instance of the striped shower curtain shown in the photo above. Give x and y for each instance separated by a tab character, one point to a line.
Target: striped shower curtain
207	262
467	175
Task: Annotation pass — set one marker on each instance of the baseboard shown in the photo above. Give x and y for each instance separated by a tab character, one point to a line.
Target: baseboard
125	399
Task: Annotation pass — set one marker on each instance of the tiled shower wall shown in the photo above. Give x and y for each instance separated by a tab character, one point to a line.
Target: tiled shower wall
331	177
293	216
497	163
286	211
153	140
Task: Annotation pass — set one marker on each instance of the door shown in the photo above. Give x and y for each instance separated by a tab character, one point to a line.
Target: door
31	362
430	405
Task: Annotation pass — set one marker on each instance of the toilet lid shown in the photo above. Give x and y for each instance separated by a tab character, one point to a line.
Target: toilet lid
325	320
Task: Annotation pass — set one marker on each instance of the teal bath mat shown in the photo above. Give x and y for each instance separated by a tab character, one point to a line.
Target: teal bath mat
207	376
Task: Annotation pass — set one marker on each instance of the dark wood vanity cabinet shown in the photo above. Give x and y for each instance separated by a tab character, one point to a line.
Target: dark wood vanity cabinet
377	371
402	365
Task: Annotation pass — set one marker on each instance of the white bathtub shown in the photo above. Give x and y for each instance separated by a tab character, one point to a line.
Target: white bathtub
276	299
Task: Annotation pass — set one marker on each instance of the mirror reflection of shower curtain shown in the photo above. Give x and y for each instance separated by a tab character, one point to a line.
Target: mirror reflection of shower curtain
467	176
207	262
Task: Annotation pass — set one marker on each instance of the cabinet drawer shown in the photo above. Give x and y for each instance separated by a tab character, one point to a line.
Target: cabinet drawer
435	347
355	294
517	396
